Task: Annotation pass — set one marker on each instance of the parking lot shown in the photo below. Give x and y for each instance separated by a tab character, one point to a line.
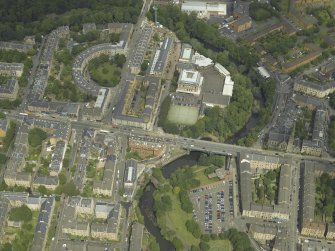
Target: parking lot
213	206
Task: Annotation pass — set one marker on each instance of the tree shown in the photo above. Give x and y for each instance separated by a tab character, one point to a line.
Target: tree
36	137
3	158
43	190
193	228
144	65
69	189
153	245
205	237
167	203
195	248
9	135
22	213
6	247
204	246
178	244
186	204
3	186
62	178
176	189
121	191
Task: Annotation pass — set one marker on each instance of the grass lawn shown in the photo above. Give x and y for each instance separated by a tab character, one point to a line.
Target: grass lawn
220	245
199	174
284	5
133	155
183	115
176	219
106	74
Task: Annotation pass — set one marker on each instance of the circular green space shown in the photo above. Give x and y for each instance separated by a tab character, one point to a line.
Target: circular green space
106	71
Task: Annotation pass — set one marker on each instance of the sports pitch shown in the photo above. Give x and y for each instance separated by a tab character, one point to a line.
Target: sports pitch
183	115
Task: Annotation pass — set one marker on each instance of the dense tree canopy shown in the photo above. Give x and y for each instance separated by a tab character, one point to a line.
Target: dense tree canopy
36	137
324	197
193	227
189	26
22	213
261	11
24	17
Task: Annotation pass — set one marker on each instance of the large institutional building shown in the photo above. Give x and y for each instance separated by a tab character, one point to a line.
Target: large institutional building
190	81
205	9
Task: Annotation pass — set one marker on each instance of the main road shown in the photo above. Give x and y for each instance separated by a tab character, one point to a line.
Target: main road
186	143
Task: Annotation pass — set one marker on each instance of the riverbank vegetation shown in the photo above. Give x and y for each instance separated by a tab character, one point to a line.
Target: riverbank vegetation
267	91
22	18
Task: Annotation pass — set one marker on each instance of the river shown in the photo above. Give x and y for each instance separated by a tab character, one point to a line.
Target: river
146	201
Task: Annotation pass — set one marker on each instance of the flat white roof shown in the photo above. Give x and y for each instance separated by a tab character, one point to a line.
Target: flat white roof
201	60
193	6
228	81
264	73
228	90
222	69
219	7
130	173
187	52
190	76
100	98
198	6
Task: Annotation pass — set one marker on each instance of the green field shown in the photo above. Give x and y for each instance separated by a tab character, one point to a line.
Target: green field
183	115
175	220
220	245
106	74
204	180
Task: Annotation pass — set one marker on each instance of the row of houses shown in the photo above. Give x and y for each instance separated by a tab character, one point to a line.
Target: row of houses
125	111
266	234
160	59
44	68
141	46
310	227
55	109
23	47
9	90
106	217
247	169
319	135
45	205
319	90
105	186
82	60
14	173
145	148
11	69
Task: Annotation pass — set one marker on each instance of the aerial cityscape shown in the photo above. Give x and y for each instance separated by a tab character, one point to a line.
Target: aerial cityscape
130	125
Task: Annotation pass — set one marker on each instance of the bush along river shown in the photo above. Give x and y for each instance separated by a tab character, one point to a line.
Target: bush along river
147	200
251	123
